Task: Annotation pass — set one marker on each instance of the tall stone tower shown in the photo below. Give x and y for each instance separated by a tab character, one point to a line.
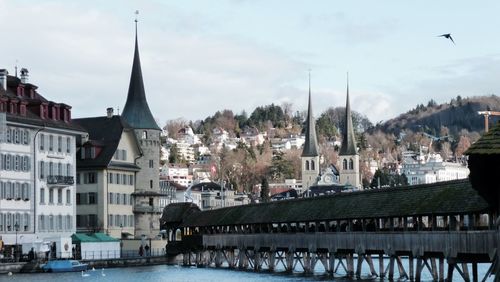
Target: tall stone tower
310	155
136	112
348	155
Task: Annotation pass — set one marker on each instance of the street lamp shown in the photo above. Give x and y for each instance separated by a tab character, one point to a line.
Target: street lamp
16	227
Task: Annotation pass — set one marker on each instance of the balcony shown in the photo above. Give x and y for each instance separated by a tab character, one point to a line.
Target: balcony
59	180
147	209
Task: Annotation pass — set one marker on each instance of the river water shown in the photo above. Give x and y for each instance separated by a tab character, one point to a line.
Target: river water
187	274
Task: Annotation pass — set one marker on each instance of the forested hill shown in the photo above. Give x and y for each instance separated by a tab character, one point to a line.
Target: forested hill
459	113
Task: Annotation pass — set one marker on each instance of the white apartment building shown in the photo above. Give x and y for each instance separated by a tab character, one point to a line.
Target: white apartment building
37	168
421	169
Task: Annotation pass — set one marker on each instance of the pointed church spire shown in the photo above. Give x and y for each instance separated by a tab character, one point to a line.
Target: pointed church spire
136	111
348	139
311	143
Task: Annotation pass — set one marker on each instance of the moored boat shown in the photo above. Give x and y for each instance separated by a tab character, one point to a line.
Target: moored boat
64	266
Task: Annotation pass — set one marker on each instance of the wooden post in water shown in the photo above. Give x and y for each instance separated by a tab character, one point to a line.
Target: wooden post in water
474	272
411	267
391	268
359	265
331	263
369	260
419	269
381	269
434	269
451	267
441	269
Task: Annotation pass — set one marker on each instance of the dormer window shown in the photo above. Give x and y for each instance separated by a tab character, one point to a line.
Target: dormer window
144	134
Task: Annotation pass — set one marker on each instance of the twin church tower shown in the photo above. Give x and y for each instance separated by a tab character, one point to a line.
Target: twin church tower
348	161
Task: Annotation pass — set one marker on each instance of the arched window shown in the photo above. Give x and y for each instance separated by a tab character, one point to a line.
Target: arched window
307	165
344	164
351	164
144	134
312	165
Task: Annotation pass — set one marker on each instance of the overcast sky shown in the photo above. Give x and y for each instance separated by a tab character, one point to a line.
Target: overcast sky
202	56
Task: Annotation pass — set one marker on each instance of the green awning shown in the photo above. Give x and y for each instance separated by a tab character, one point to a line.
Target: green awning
92	237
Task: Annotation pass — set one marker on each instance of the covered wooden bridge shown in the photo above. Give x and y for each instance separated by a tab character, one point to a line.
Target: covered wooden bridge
439	229
426	224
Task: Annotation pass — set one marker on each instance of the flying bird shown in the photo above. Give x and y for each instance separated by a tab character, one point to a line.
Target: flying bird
448	36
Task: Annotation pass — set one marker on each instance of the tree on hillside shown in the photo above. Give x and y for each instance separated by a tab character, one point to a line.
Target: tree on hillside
174	156
272	113
386	179
173	126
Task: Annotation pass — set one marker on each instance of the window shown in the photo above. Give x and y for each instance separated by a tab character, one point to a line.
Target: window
59	222
51	196
69	222
312	165
90	178
59	169
351	164
110	219
131	180
111	199
124	179
151	202
151	184
51	143
92	198
59	196
144	134
124	199
68	170
78	199
118	178
59	144
68	196
51	222
42	169
26	191
110	178
151	163
68	145
41	142
344	164
307	165
42	195
77	178
26	137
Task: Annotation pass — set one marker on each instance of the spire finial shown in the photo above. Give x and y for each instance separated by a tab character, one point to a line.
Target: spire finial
347	82
136	15
16	67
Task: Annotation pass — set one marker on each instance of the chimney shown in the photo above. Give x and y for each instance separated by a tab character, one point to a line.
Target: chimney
24	75
3	78
109	111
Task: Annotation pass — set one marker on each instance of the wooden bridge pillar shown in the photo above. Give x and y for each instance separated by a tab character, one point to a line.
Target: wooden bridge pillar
218	257
242	259
381	268
271	260
289	256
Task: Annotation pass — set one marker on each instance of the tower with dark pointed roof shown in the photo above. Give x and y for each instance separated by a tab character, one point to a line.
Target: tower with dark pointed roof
310	155
136	113
348	155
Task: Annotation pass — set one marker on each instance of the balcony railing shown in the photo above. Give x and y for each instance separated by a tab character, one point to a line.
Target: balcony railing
60	180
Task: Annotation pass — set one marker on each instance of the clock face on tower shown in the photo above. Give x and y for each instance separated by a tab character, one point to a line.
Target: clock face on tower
328	178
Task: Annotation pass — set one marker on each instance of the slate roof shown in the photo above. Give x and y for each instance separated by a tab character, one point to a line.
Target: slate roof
488	144
136	111
311	142
174	213
31	117
348	139
107	133
452	197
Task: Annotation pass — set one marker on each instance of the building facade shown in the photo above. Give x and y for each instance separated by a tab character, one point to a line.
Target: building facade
37	168
106	176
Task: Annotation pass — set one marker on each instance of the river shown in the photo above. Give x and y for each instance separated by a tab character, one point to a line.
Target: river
176	273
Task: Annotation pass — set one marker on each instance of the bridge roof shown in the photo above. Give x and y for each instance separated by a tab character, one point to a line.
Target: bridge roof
453	197
489	143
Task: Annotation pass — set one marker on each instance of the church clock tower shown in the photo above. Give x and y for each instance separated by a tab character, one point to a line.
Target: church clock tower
310	155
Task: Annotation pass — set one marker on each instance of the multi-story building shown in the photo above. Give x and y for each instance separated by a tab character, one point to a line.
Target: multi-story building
106	176
37	168
420	169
